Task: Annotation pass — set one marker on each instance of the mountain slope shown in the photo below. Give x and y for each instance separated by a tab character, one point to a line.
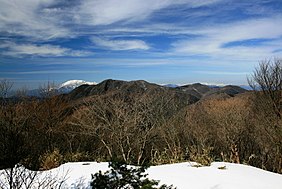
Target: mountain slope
204	91
129	88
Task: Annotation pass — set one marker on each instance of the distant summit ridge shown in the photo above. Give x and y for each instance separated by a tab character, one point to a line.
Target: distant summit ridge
82	88
191	92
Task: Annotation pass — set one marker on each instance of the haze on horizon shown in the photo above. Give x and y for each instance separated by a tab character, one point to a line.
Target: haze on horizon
161	41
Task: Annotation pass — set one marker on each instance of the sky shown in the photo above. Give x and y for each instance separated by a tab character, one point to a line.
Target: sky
160	41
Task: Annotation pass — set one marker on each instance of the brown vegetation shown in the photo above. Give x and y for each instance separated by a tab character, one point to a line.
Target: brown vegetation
147	124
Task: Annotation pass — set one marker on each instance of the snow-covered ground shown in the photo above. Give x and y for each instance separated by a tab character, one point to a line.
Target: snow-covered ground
182	175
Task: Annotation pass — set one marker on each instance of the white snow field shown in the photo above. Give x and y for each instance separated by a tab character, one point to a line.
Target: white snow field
219	175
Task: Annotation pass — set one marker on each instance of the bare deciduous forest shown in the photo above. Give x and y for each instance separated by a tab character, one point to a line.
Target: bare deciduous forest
155	125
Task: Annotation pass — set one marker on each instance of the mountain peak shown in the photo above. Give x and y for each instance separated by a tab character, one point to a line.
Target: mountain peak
71	84
68	86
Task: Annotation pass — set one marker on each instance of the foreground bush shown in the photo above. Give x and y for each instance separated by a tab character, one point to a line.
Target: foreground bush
120	176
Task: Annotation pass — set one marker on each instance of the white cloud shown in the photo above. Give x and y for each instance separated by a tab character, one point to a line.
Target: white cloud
104	12
212	39
251	29
53	72
48	19
18	50
120	44
27	18
222	73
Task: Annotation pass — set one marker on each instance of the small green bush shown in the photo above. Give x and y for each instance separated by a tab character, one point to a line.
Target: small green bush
122	177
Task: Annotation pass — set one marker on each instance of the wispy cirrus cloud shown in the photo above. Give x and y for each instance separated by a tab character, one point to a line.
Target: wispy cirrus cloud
48	20
20	50
53	72
222	73
51	19
105	12
212	40
27	18
120	45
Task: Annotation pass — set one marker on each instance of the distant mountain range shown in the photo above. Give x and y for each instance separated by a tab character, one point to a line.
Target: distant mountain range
62	88
203	91
187	93
197	90
247	87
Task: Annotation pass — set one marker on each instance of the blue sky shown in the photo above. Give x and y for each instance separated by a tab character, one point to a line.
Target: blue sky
161	41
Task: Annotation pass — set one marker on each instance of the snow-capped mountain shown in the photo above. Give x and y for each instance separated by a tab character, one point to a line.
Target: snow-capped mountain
72	84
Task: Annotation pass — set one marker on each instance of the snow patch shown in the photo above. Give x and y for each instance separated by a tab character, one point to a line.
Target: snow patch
219	175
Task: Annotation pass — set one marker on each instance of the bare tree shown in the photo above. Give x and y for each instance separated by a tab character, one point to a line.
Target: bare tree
48	90
267	105
123	127
22	92
19	177
267	78
5	87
